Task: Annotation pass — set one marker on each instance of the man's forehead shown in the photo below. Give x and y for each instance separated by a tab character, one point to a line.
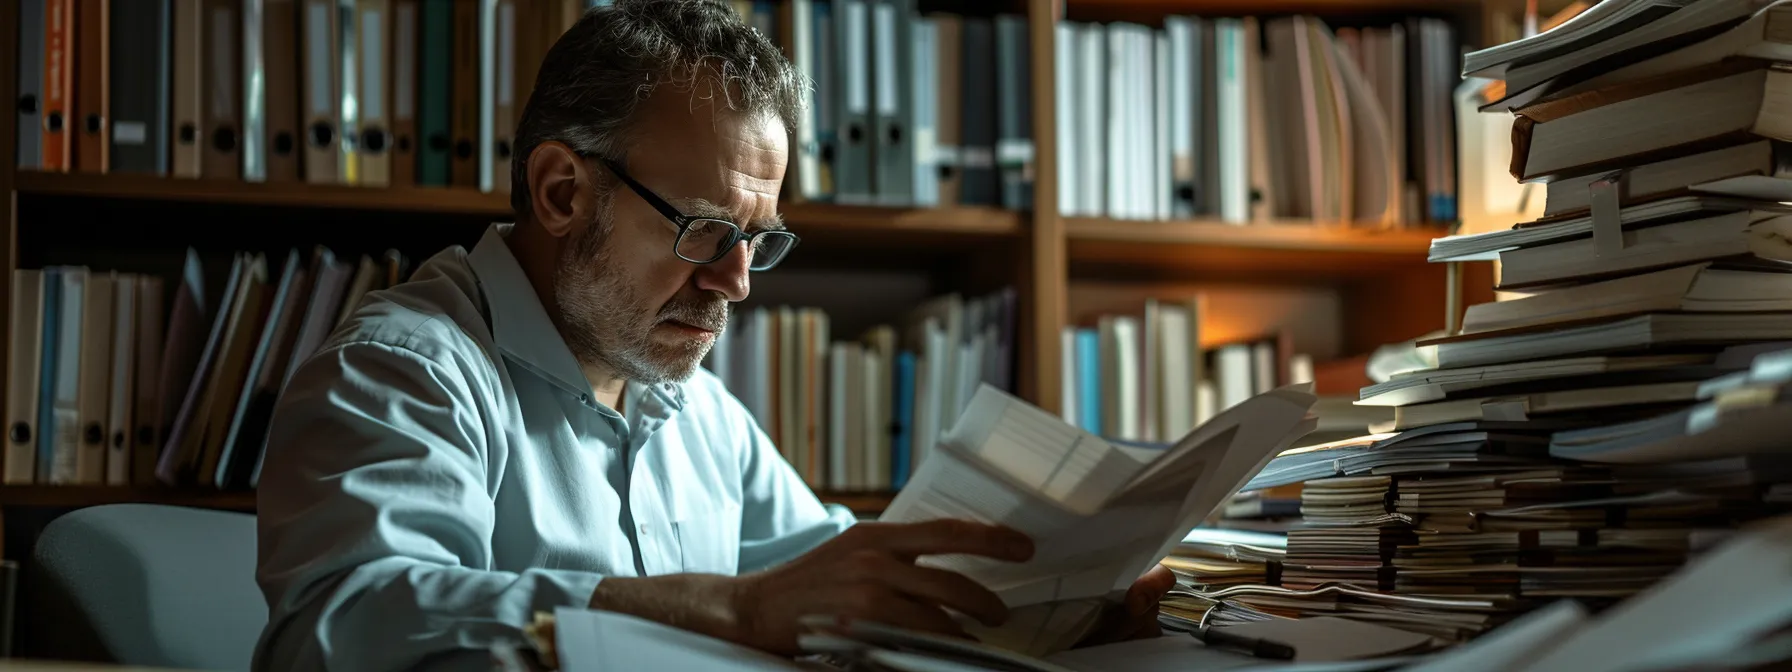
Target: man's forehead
709	161
672	126
746	180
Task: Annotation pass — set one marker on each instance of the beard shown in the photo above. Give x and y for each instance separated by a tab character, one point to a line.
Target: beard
606	323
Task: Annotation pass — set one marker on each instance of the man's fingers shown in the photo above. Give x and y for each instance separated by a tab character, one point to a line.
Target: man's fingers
1149	590
1157	581
946	589
942	537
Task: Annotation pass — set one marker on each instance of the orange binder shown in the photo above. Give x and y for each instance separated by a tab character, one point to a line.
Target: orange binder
92	117
59	93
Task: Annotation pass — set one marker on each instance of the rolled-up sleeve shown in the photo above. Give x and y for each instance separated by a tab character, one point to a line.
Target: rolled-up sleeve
376	518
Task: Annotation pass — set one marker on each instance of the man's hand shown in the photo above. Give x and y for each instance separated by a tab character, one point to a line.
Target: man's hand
869	572
1136	618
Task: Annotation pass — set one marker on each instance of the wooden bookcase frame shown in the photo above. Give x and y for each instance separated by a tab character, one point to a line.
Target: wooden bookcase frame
1388	291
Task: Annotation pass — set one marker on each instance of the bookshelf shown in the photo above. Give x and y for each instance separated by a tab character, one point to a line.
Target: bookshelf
1340	239
1162	7
1390	294
1471	15
52	496
62	496
1287	250
939	225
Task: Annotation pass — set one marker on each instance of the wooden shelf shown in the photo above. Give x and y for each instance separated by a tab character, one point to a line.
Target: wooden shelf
1269	251
1152	10
57	496
962	220
61	496
860	502
818	220
233	192
1220	7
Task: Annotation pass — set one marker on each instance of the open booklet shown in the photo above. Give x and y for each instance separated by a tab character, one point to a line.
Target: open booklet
1099	514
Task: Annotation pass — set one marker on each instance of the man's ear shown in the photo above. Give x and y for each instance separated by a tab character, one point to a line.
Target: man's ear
560	190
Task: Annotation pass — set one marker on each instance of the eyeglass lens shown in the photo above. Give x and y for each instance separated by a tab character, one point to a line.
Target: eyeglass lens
707	240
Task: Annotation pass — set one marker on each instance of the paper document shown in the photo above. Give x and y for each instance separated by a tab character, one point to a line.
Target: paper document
587	640
1717	604
1510	644
1172	652
858	641
1099	515
1330	638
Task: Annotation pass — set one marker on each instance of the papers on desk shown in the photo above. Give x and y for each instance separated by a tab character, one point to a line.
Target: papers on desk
586	640
1170	653
1100	515
1507	647
875	644
1730	608
1319	644
1723	602
1331	639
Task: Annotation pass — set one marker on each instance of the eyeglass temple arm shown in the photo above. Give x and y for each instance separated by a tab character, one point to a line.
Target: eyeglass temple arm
646	194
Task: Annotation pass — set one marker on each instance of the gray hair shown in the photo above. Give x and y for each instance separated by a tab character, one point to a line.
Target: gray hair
615	56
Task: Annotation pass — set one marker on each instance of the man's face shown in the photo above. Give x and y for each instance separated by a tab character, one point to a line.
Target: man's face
628	303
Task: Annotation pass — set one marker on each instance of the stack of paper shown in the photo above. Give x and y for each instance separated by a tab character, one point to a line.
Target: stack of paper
1729	610
1626	414
1394	530
1611	40
1664	149
1509	500
1220	557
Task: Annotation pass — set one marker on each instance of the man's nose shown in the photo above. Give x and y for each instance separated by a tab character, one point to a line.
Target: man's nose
727	275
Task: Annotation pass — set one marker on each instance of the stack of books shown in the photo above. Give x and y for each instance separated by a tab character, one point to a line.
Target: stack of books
1255	119
858	414
117	382
1625	413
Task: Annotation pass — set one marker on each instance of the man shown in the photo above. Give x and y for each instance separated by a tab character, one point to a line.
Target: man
525	426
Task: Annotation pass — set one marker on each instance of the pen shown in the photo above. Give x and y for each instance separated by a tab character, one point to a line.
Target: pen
1256	646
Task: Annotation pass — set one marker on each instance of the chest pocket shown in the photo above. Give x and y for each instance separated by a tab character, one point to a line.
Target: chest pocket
709	540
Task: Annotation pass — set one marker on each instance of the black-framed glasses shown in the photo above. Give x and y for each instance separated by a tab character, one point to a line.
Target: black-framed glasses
702	240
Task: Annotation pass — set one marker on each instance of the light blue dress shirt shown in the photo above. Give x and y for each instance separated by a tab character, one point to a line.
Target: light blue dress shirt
439	472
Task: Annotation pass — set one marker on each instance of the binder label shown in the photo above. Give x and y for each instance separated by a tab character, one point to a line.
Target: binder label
129	132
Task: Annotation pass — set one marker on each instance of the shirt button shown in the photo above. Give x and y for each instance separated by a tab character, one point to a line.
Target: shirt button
642	527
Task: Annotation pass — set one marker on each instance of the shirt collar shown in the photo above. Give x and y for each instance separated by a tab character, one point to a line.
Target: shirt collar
520	324
521	327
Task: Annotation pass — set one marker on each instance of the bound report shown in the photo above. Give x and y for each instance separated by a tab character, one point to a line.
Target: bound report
1652	119
1100	515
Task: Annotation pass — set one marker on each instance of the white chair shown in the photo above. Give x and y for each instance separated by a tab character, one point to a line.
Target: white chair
155	586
